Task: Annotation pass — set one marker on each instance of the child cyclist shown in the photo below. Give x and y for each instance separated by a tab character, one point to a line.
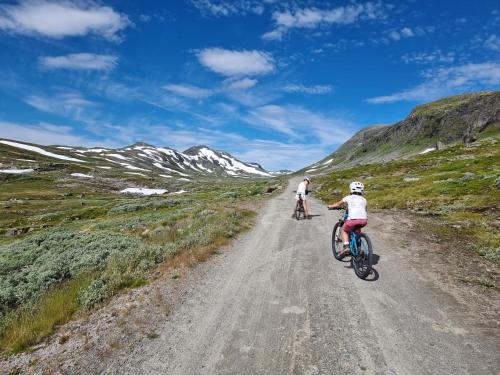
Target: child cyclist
356	211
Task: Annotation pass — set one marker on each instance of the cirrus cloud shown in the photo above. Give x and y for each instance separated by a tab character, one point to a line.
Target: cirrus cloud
188	91
447	81
232	63
60	19
315	89
79	61
311	18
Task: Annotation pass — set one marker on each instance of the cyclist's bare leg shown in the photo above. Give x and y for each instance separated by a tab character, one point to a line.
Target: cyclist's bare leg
345	237
306	208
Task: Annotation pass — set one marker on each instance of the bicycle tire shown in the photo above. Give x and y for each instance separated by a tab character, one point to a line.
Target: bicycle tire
362	263
297	211
337	247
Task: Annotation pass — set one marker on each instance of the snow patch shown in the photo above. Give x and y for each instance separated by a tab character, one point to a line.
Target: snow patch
165	175
102	167
96	150
184	179
16	171
81	175
136	173
128	166
143	191
327	162
179	192
427	150
118	156
41	151
230	164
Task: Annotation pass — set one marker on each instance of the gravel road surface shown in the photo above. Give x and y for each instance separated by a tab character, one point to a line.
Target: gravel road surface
278	302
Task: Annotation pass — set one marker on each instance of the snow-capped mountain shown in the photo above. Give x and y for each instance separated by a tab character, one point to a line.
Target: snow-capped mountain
139	159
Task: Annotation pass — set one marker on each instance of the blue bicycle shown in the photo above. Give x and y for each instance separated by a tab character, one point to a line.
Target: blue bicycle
360	247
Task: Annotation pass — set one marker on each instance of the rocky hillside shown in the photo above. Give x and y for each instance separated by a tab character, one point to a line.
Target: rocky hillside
139	159
437	123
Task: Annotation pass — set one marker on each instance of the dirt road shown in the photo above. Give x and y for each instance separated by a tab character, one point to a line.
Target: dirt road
279	303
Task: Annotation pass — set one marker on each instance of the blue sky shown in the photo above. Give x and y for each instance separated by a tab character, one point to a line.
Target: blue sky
282	83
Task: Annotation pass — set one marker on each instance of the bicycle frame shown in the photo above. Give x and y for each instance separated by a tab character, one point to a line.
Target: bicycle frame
353	237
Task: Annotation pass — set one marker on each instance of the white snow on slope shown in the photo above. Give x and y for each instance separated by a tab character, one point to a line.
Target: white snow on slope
143	191
102	167
16	171
96	150
179	192
41	151
327	162
118	156
229	164
204	168
81	175
427	150
169	169
128	166
136	173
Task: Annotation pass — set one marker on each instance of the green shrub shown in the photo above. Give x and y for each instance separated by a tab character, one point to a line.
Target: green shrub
30	266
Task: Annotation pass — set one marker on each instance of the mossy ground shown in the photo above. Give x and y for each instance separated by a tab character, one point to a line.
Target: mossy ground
458	186
85	242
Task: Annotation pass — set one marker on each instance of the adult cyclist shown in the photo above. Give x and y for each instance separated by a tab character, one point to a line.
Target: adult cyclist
301	193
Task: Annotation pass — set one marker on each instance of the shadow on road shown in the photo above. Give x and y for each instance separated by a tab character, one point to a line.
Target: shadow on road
374	275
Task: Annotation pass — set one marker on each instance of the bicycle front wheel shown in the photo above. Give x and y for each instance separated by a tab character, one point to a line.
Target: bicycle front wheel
337	247
363	262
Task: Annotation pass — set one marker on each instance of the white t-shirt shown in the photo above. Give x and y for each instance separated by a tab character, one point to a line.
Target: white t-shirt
302	188
356	205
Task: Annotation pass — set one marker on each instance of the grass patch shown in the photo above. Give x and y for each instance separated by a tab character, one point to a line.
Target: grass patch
29	324
459	186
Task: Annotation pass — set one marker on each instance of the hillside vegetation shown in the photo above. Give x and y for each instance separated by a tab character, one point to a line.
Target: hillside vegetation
445	121
459	186
68	244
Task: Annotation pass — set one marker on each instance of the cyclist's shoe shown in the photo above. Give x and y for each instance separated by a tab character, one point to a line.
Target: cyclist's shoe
345	251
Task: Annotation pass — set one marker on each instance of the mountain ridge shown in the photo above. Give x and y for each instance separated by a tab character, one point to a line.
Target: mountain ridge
427	127
140	157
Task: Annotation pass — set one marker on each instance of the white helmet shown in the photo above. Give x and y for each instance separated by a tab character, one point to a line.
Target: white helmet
307	178
357	187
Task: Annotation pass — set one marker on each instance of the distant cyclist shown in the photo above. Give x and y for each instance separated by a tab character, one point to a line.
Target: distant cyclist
356	211
301	193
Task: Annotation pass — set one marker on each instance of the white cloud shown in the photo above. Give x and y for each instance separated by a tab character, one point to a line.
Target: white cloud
448	81
79	61
311	18
236	63
436	56
300	123
45	134
240	84
316	89
188	91
492	42
65	104
224	8
59	19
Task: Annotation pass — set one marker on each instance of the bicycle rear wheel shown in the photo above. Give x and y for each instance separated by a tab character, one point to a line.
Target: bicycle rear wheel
337	247
298	210
363	262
